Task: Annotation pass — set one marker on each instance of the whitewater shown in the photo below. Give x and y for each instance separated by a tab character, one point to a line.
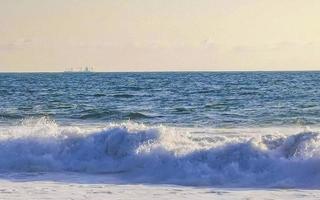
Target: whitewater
135	153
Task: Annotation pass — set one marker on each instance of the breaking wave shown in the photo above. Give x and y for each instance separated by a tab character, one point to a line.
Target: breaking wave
163	155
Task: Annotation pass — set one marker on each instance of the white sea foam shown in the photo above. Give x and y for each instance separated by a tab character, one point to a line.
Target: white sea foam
159	154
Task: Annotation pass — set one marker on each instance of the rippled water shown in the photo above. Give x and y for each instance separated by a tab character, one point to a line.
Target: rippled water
180	99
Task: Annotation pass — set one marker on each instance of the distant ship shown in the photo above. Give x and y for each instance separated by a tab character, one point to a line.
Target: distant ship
79	70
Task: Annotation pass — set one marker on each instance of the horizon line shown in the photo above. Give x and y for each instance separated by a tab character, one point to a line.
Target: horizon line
161	71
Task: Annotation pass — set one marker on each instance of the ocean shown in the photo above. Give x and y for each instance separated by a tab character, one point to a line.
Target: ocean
195	129
199	99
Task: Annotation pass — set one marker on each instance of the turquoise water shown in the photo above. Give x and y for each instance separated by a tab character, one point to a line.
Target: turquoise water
180	99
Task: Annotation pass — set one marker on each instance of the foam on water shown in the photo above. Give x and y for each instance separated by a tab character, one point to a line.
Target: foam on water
161	154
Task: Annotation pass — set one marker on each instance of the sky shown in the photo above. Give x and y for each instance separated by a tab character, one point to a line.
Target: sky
159	35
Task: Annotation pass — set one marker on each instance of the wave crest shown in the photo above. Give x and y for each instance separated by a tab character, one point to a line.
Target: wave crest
163	155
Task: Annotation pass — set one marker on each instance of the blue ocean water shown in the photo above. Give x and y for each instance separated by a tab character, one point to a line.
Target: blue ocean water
237	129
182	99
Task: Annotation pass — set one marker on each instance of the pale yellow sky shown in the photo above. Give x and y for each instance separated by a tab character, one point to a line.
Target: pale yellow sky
157	35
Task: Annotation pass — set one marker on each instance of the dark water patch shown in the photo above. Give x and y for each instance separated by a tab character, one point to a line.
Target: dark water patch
308	106
61	106
138	115
10	116
25	108
204	92
98	114
249	93
4	92
133	88
123	95
183	110
218	106
99	95
65	106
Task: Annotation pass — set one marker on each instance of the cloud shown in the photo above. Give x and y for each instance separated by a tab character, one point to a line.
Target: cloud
16	44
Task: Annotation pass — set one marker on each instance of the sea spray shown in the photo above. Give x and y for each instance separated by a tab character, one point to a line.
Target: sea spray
159	154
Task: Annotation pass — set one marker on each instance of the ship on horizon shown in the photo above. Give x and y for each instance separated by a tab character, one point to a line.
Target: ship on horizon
79	70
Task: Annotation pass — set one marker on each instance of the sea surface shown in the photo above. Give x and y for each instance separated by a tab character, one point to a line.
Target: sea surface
235	129
180	99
